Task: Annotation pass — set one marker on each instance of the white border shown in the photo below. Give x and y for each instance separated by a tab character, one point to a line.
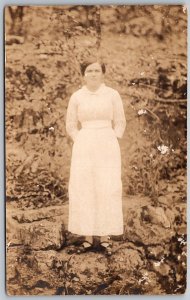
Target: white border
3	3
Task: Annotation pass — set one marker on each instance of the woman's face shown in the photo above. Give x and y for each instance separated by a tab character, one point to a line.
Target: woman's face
93	74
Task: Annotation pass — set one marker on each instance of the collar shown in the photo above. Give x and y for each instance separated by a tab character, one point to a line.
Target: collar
97	92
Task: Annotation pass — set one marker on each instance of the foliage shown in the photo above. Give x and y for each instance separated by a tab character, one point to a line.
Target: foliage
153	81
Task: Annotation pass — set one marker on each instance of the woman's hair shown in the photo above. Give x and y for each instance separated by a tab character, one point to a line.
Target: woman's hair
86	63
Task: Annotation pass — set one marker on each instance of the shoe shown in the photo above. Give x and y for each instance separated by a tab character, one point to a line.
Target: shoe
106	247
84	247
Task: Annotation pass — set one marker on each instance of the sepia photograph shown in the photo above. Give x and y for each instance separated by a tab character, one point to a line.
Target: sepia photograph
96	149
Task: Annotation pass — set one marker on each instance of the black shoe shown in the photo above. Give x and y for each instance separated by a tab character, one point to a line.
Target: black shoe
85	247
107	248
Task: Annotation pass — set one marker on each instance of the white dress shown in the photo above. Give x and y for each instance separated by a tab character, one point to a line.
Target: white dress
95	186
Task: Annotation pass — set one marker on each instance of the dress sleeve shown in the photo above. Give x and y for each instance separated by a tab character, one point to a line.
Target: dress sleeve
119	120
72	118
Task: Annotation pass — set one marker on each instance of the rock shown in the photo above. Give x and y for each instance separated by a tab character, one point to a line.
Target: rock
43	235
157	216
149	281
166	200
158	252
170	215
12	231
91	265
126	258
143	227
11	263
13	274
40	228
28	216
161	267
181	219
138	248
45	259
83	272
28	272
14	39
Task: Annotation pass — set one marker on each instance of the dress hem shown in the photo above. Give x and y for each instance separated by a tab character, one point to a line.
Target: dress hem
96	233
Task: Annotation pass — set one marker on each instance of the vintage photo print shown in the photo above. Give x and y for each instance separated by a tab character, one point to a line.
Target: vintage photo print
96	145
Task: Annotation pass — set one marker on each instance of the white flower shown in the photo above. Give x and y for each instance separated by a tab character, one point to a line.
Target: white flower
141	112
163	149
51	128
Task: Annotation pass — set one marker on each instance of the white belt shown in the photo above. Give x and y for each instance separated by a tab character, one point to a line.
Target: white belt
96	124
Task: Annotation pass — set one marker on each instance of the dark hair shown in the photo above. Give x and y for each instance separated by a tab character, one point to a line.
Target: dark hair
86	63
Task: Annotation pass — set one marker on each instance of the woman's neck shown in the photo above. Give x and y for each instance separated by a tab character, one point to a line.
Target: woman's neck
93	88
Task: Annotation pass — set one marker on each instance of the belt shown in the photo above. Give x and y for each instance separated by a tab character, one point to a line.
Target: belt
96	124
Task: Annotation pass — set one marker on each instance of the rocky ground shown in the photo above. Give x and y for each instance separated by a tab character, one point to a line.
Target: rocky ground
149	70
150	258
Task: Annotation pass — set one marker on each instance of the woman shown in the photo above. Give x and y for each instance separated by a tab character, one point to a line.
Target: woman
95	187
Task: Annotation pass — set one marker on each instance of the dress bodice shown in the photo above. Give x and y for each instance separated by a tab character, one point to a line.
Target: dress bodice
103	104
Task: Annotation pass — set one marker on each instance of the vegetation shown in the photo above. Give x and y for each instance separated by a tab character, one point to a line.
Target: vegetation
145	52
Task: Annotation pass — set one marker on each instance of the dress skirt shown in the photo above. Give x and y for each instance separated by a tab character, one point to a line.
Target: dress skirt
95	186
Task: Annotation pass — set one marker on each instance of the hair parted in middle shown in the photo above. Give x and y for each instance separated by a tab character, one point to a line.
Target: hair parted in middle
88	62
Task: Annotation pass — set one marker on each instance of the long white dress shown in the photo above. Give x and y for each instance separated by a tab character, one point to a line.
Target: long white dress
95	186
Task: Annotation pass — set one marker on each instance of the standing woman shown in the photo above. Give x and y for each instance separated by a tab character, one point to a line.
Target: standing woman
95	186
